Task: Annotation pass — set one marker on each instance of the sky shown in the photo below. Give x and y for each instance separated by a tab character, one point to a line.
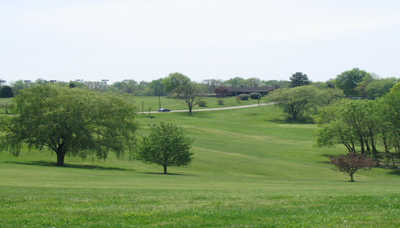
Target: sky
148	39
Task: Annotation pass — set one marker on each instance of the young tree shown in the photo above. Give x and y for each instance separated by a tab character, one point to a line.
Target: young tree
299	79
352	162
69	122
190	92
166	145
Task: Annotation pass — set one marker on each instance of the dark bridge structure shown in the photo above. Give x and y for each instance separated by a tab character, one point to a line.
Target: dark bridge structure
223	91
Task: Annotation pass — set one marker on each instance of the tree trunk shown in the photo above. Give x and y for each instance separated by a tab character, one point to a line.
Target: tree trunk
190	105
60	158
165	169
362	145
351	177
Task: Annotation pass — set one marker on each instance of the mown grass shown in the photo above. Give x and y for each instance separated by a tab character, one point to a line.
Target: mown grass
250	169
150	102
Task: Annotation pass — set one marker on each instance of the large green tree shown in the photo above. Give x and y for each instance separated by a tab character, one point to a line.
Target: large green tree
300	102
175	82
167	145
299	79
348	81
353	123
69	122
379	87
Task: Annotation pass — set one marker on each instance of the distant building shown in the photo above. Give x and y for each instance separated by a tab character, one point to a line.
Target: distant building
223	91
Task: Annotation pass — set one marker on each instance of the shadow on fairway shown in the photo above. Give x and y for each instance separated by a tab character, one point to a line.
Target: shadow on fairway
395	172
287	121
169	174
76	166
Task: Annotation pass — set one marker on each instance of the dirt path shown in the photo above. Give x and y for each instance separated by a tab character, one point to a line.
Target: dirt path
213	109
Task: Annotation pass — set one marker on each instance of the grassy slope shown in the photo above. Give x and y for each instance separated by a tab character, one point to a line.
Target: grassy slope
176	104
250	168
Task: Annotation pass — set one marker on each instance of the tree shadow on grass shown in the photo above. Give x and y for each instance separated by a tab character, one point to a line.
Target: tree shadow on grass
169	174
395	172
76	166
288	121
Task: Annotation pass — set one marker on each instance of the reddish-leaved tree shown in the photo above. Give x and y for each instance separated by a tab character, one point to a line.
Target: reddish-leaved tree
352	162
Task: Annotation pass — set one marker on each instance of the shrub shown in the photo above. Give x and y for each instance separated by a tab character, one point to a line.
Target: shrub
202	103
244	97
255	96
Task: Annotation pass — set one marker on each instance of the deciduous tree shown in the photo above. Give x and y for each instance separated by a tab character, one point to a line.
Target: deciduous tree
351	163
299	79
167	146
69	122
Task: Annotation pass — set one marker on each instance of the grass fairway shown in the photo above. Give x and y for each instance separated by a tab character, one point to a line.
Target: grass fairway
151	102
250	170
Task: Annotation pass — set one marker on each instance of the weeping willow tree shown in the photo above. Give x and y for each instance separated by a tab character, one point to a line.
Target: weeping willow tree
69	121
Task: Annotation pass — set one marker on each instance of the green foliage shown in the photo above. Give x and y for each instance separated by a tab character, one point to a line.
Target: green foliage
395	88
69	122
353	123
364	126
6	92
201	103
255	96
348	81
303	101
244	97
220	102
379	87
299	79
166	145
175	83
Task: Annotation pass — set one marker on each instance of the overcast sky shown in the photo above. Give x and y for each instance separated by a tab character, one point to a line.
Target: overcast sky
148	39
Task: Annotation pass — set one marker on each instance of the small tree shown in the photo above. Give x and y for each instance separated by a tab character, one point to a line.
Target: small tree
352	162
189	93
166	145
69	121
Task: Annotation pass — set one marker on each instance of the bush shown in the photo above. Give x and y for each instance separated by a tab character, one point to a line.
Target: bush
202	103
221	102
255	96
244	97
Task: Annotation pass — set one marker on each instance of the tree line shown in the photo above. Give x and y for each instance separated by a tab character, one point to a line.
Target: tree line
353	83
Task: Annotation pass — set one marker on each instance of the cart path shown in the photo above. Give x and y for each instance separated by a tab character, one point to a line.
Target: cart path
213	109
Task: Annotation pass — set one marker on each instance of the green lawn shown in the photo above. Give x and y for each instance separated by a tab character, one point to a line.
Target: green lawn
250	169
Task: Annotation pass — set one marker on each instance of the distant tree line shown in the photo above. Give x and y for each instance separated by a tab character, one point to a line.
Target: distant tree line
354	83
